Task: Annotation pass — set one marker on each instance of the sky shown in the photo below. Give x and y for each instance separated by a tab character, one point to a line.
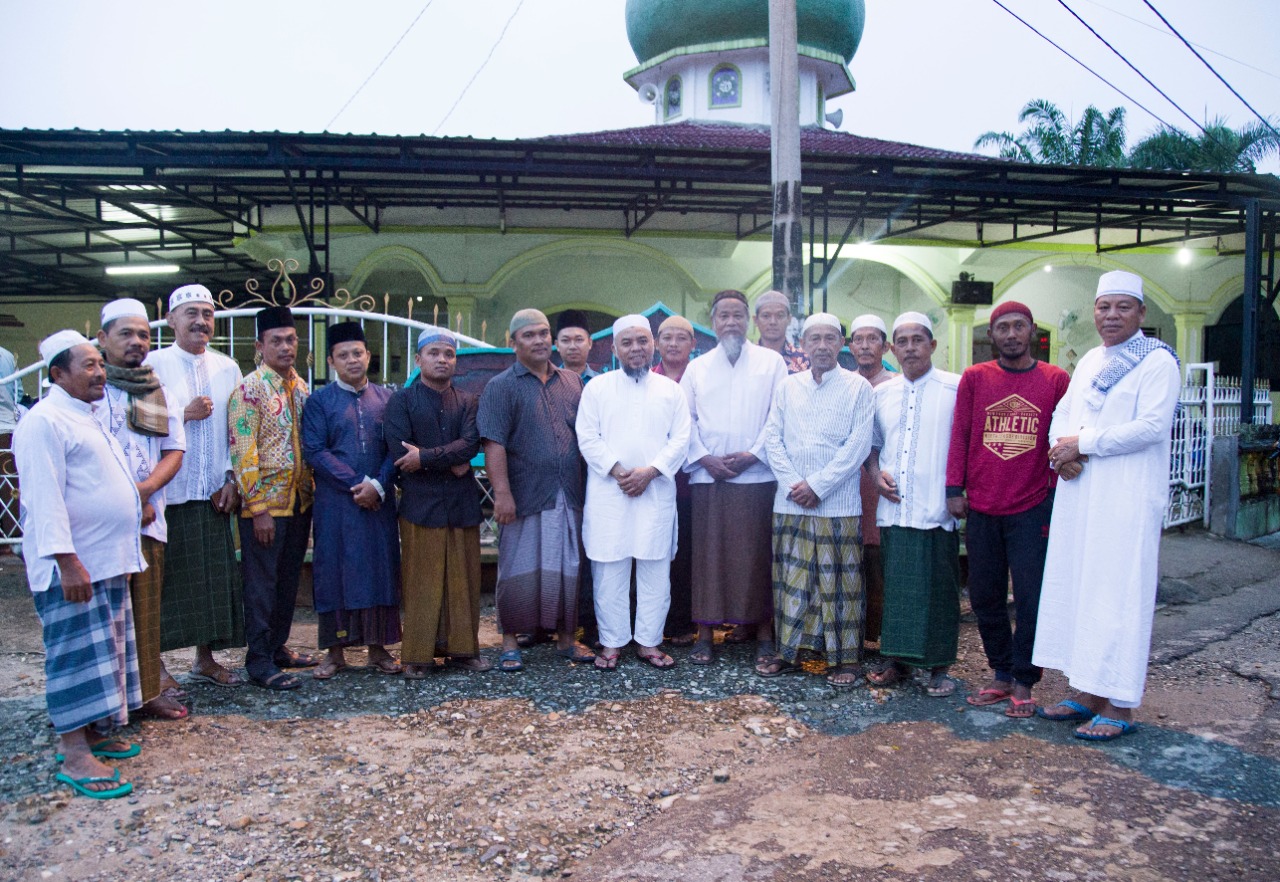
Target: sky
931	72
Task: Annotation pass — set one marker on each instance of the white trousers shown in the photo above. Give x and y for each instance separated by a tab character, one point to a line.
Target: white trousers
613	600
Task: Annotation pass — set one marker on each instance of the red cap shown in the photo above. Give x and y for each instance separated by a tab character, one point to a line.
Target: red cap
1010	306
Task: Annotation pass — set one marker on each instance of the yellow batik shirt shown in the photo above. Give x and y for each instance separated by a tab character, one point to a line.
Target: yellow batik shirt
264	424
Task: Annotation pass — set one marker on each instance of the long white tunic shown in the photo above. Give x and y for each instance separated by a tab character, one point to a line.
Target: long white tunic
78	496
913	435
821	433
208	459
645	423
142	452
729	404
1098	595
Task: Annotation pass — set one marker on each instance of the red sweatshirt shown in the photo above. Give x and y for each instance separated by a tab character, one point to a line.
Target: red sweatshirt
999	452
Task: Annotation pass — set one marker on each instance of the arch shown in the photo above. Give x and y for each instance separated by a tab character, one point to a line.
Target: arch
884	255
673	98
724	87
1100	262
564	247
378	258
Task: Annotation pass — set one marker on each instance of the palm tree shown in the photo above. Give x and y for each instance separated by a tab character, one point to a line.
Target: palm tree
1050	138
1219	148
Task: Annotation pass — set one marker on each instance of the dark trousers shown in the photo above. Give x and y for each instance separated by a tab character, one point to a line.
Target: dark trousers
680	613
1000	546
271	589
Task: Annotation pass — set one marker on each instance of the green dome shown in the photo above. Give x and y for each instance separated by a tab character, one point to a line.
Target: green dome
658	26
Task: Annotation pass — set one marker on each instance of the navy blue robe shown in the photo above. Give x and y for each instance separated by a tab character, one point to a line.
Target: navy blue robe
357	551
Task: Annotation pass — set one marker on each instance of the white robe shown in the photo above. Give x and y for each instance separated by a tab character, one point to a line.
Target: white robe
1100	576
643	423
913	435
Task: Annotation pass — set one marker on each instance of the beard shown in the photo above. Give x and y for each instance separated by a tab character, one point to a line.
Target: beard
636	373
732	345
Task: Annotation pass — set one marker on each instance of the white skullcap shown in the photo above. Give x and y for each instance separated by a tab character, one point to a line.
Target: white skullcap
869	321
1119	282
913	318
777	298
824	319
56	344
123	307
190	294
631	321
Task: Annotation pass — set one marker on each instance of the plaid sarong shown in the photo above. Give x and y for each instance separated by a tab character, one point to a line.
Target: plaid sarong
538	563
91	662
921	595
203	599
818	598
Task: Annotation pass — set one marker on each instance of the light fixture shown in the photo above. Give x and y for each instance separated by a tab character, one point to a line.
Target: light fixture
1184	256
419	298
143	269
1048	267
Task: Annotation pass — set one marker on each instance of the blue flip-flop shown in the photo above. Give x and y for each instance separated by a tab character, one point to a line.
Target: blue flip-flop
1079	714
512	656
80	785
1124	726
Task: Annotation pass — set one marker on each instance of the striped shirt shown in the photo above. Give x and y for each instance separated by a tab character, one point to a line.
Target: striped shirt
820	433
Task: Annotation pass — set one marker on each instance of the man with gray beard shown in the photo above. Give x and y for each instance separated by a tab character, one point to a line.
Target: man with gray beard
633	432
730	390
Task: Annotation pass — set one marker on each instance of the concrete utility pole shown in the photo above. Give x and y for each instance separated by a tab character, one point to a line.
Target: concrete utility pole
784	97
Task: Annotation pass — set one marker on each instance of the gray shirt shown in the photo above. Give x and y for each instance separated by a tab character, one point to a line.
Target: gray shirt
534	422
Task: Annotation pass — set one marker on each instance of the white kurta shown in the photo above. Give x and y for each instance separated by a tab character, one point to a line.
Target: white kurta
821	433
913	435
142	452
1098	595
729	404
643	423
208	459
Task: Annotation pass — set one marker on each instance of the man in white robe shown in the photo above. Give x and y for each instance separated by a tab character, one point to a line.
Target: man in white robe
633	431
1101	572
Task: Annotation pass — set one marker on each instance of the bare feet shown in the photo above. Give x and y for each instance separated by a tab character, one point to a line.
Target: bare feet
162	707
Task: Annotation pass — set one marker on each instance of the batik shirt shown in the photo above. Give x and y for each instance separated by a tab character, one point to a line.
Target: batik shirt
263	419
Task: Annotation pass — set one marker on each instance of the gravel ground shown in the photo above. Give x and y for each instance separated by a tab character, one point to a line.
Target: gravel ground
701	773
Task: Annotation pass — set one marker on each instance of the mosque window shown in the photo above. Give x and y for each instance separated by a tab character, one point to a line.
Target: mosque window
726	86
671	99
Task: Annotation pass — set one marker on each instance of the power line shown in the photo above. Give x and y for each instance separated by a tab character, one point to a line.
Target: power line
1048	40
1149	26
1147	79
1266	122
492	49
379	65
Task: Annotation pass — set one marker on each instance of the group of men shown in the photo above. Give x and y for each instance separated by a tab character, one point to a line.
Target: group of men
814	508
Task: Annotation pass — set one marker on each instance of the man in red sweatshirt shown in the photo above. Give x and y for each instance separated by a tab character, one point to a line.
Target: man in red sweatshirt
998	475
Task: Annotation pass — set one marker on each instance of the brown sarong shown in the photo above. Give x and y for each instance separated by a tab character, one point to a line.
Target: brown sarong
440	590
733	553
538	561
144	593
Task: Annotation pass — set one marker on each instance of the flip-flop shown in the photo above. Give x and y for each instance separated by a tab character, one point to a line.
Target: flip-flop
940	686
887	676
766	650
659	660
839	670
509	661
1079	713
1020	708
132	750
231	680
80	785
387	665
328	671
783	667
278	682
989	696
1124	726
576	653
703	653
606	662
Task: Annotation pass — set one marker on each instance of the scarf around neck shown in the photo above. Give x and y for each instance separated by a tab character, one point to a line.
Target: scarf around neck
148	413
1117	366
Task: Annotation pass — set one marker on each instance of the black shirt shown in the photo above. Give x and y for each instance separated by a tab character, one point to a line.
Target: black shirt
443	427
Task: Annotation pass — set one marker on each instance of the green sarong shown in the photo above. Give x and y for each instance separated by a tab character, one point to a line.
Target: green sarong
921	595
203	600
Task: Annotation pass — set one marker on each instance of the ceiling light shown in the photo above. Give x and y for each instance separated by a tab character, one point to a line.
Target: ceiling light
1184	256
1048	267
143	269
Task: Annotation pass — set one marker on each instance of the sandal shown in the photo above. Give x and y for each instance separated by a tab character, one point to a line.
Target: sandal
220	677
703	653
387	665
887	675
846	677
940	685
417	672
766	651
278	682
1021	708
657	659
328	670
576	653
606	662
509	661
776	667
82	786
474	663
989	695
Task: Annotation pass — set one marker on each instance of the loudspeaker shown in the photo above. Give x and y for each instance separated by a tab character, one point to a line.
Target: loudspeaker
972	293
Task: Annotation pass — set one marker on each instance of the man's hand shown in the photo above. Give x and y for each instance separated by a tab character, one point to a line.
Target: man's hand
504	507
76	586
802	495
461	469
366	496
1065	451
635	481
412	459
887	487
227	499
957	506
1069	471
717	468
148	514
200	408
740	462
264	529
